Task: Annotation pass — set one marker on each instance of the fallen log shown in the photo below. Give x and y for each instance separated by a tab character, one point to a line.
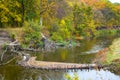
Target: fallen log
32	63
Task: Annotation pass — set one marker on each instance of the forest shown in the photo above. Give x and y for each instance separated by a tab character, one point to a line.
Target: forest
61	20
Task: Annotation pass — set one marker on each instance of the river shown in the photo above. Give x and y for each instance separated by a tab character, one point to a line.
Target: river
83	54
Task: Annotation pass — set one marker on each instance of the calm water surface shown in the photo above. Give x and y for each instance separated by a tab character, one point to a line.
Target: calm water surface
83	54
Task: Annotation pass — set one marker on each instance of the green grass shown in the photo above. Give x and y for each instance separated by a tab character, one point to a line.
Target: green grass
111	57
114	52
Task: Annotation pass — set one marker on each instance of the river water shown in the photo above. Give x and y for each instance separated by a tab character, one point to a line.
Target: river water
83	54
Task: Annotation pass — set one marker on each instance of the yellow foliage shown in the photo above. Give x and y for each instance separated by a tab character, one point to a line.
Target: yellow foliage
17	4
70	3
63	55
18	18
63	22
4	19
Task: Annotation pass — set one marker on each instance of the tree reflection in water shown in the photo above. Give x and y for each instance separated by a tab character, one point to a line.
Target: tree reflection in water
1	77
34	74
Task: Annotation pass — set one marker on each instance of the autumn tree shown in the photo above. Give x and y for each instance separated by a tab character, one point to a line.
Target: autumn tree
9	13
106	13
83	20
45	10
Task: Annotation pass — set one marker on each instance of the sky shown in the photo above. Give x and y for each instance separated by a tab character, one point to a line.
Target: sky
113	1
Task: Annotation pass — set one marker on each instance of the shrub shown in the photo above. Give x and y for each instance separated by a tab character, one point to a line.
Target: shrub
31	33
63	33
56	37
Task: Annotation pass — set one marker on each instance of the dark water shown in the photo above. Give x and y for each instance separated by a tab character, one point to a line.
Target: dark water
83	54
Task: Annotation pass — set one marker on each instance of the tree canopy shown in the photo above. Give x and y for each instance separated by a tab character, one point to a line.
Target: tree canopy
79	17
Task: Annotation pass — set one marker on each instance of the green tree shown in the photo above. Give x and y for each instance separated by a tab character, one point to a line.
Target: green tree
9	13
106	13
31	33
45	11
28	9
64	31
83	20
111	16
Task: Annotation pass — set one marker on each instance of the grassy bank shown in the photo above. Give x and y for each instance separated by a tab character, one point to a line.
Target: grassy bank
110	57
113	55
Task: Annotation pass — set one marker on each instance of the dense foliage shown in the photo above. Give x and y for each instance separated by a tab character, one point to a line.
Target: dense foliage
31	34
60	18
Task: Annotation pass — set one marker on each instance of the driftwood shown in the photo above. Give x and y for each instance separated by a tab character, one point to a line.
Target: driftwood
32	49
11	47
3	54
32	63
14	46
8	61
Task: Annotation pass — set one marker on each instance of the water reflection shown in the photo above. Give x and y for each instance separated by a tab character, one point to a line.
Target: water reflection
95	75
34	74
95	49
82	54
41	75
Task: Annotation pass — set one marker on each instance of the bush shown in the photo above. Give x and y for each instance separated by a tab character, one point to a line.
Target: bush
31	33
56	37
63	33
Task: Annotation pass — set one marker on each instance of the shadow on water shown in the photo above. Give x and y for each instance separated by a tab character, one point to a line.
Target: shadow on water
83	54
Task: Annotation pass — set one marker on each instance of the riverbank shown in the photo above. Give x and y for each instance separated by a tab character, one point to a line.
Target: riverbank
107	56
43	43
110	57
113	56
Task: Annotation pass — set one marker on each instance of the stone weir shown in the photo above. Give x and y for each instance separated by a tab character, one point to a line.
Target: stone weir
43	65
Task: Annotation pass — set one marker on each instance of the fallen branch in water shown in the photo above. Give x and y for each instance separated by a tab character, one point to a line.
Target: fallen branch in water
3	54
8	61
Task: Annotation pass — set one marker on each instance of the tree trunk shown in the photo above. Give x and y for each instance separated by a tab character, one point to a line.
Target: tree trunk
41	21
23	11
91	34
